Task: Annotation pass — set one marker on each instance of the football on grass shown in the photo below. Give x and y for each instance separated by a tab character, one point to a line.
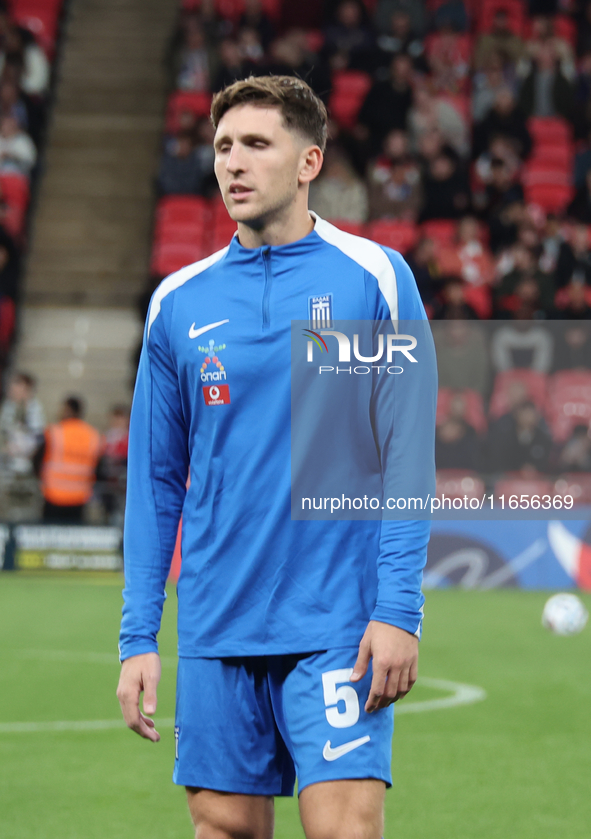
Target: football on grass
564	614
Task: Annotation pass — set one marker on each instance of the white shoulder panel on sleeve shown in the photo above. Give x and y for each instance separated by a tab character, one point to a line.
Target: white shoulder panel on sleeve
366	253
178	279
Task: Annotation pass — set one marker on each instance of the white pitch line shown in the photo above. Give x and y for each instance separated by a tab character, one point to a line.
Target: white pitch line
461	694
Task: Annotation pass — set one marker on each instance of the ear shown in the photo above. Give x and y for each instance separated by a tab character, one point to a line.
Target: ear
310	164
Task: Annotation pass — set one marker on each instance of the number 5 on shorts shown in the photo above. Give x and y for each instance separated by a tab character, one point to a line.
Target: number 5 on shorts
345	693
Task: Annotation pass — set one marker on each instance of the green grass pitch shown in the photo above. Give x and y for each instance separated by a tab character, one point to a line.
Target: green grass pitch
514	766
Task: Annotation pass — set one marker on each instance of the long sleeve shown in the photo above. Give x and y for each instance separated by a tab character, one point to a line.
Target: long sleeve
158	466
405	432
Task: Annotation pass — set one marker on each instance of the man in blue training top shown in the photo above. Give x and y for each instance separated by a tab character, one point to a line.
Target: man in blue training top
295	637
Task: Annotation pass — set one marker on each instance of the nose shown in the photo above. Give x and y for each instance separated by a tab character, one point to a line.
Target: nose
234	162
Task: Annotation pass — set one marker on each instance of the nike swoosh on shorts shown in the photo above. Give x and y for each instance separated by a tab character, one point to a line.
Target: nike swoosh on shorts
195	333
328	753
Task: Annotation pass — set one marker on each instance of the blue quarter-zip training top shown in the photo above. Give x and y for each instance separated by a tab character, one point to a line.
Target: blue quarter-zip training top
212	402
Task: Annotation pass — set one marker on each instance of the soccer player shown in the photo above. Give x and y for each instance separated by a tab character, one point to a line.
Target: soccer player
295	637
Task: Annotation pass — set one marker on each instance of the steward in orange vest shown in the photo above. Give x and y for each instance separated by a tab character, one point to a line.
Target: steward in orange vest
70	454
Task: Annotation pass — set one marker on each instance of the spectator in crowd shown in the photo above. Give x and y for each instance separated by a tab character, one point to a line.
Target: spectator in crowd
254	17
526	302
400	38
21	426
289	56
10	259
486	84
394	188
112	467
550	245
429	113
502	191
445	189
575	455
181	170
545	91
339	193
574	258
387	104
195	72
67	461
250	46
507	298
575	302
17	150
348	39
21	49
580	206
422	261
415	9
462	355
522	345
573	347
451	303
468	258
543	36
520	441
231	66
499	41
503	120
449	58
456	445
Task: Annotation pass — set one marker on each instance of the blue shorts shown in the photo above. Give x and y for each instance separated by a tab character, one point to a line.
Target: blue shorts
252	724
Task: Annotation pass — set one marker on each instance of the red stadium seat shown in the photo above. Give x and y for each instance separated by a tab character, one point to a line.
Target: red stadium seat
183	100
349	89
182	209
398	235
7	323
553	198
548	130
474	413
535	384
569	402
555	155
542	171
577	484
15	189
442	231
168	257
456	483
15	192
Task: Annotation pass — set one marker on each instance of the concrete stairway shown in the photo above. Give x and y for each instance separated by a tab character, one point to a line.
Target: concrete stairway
90	242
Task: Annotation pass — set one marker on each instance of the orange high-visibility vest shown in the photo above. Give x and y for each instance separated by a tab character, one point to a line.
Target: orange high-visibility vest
72	450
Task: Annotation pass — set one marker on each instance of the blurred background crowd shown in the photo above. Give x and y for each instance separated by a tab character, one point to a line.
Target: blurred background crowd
460	135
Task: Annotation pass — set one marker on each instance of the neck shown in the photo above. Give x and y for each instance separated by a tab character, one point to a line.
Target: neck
278	231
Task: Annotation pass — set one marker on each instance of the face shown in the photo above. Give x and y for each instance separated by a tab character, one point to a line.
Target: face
260	164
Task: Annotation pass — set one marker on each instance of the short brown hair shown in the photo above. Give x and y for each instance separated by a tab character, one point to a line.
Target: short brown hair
300	108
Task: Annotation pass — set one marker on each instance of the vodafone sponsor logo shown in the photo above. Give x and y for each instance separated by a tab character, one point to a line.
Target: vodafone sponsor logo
217	395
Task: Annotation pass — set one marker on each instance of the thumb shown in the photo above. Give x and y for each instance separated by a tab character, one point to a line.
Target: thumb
150	698
362	663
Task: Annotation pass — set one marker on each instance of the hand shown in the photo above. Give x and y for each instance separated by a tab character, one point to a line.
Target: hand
395	654
140	673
